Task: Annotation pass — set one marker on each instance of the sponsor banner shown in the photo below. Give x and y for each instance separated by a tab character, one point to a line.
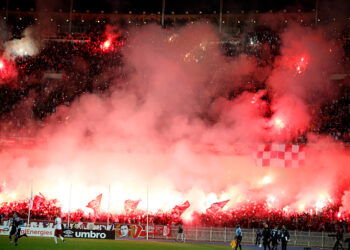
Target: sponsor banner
88	234
4	230
138	231
31	231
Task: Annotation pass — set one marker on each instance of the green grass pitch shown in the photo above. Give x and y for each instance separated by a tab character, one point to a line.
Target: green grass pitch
35	243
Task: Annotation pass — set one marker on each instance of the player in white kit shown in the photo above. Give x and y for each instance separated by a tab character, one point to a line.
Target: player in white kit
58	228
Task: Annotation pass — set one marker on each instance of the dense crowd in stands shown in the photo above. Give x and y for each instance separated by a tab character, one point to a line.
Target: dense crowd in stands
63	70
248	215
80	63
44	94
335	117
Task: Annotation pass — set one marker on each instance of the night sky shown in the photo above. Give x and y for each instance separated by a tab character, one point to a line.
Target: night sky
178	6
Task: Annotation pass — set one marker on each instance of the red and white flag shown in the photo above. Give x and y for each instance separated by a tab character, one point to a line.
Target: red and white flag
216	207
179	209
38	199
130	205
95	204
280	155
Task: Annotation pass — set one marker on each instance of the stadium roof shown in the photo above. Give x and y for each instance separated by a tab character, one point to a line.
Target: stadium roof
176	6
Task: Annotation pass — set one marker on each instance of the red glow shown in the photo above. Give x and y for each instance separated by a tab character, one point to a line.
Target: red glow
7	70
107	44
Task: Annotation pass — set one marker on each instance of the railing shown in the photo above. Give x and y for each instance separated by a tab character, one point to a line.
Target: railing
298	238
226	235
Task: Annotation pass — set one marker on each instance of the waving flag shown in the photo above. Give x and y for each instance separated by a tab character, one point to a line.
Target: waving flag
95	204
179	209
216	207
280	155
131	205
38	199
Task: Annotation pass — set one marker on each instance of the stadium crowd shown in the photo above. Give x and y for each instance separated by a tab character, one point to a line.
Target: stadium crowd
63	70
42	81
68	66
248	215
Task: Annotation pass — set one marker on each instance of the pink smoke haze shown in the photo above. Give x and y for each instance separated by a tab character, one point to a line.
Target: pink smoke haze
161	127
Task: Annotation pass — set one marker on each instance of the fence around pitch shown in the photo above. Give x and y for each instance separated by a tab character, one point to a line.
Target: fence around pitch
225	235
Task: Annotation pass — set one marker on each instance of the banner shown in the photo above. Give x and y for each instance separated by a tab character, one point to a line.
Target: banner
31	231
138	231
88	234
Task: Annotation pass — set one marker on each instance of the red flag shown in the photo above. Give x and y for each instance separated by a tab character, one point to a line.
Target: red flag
38	200
216	207
130	205
95	204
280	155
178	210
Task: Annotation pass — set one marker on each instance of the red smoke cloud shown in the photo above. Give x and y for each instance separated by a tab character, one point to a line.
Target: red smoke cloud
175	102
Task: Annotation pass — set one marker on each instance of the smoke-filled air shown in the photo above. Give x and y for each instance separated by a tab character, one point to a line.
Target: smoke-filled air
183	121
